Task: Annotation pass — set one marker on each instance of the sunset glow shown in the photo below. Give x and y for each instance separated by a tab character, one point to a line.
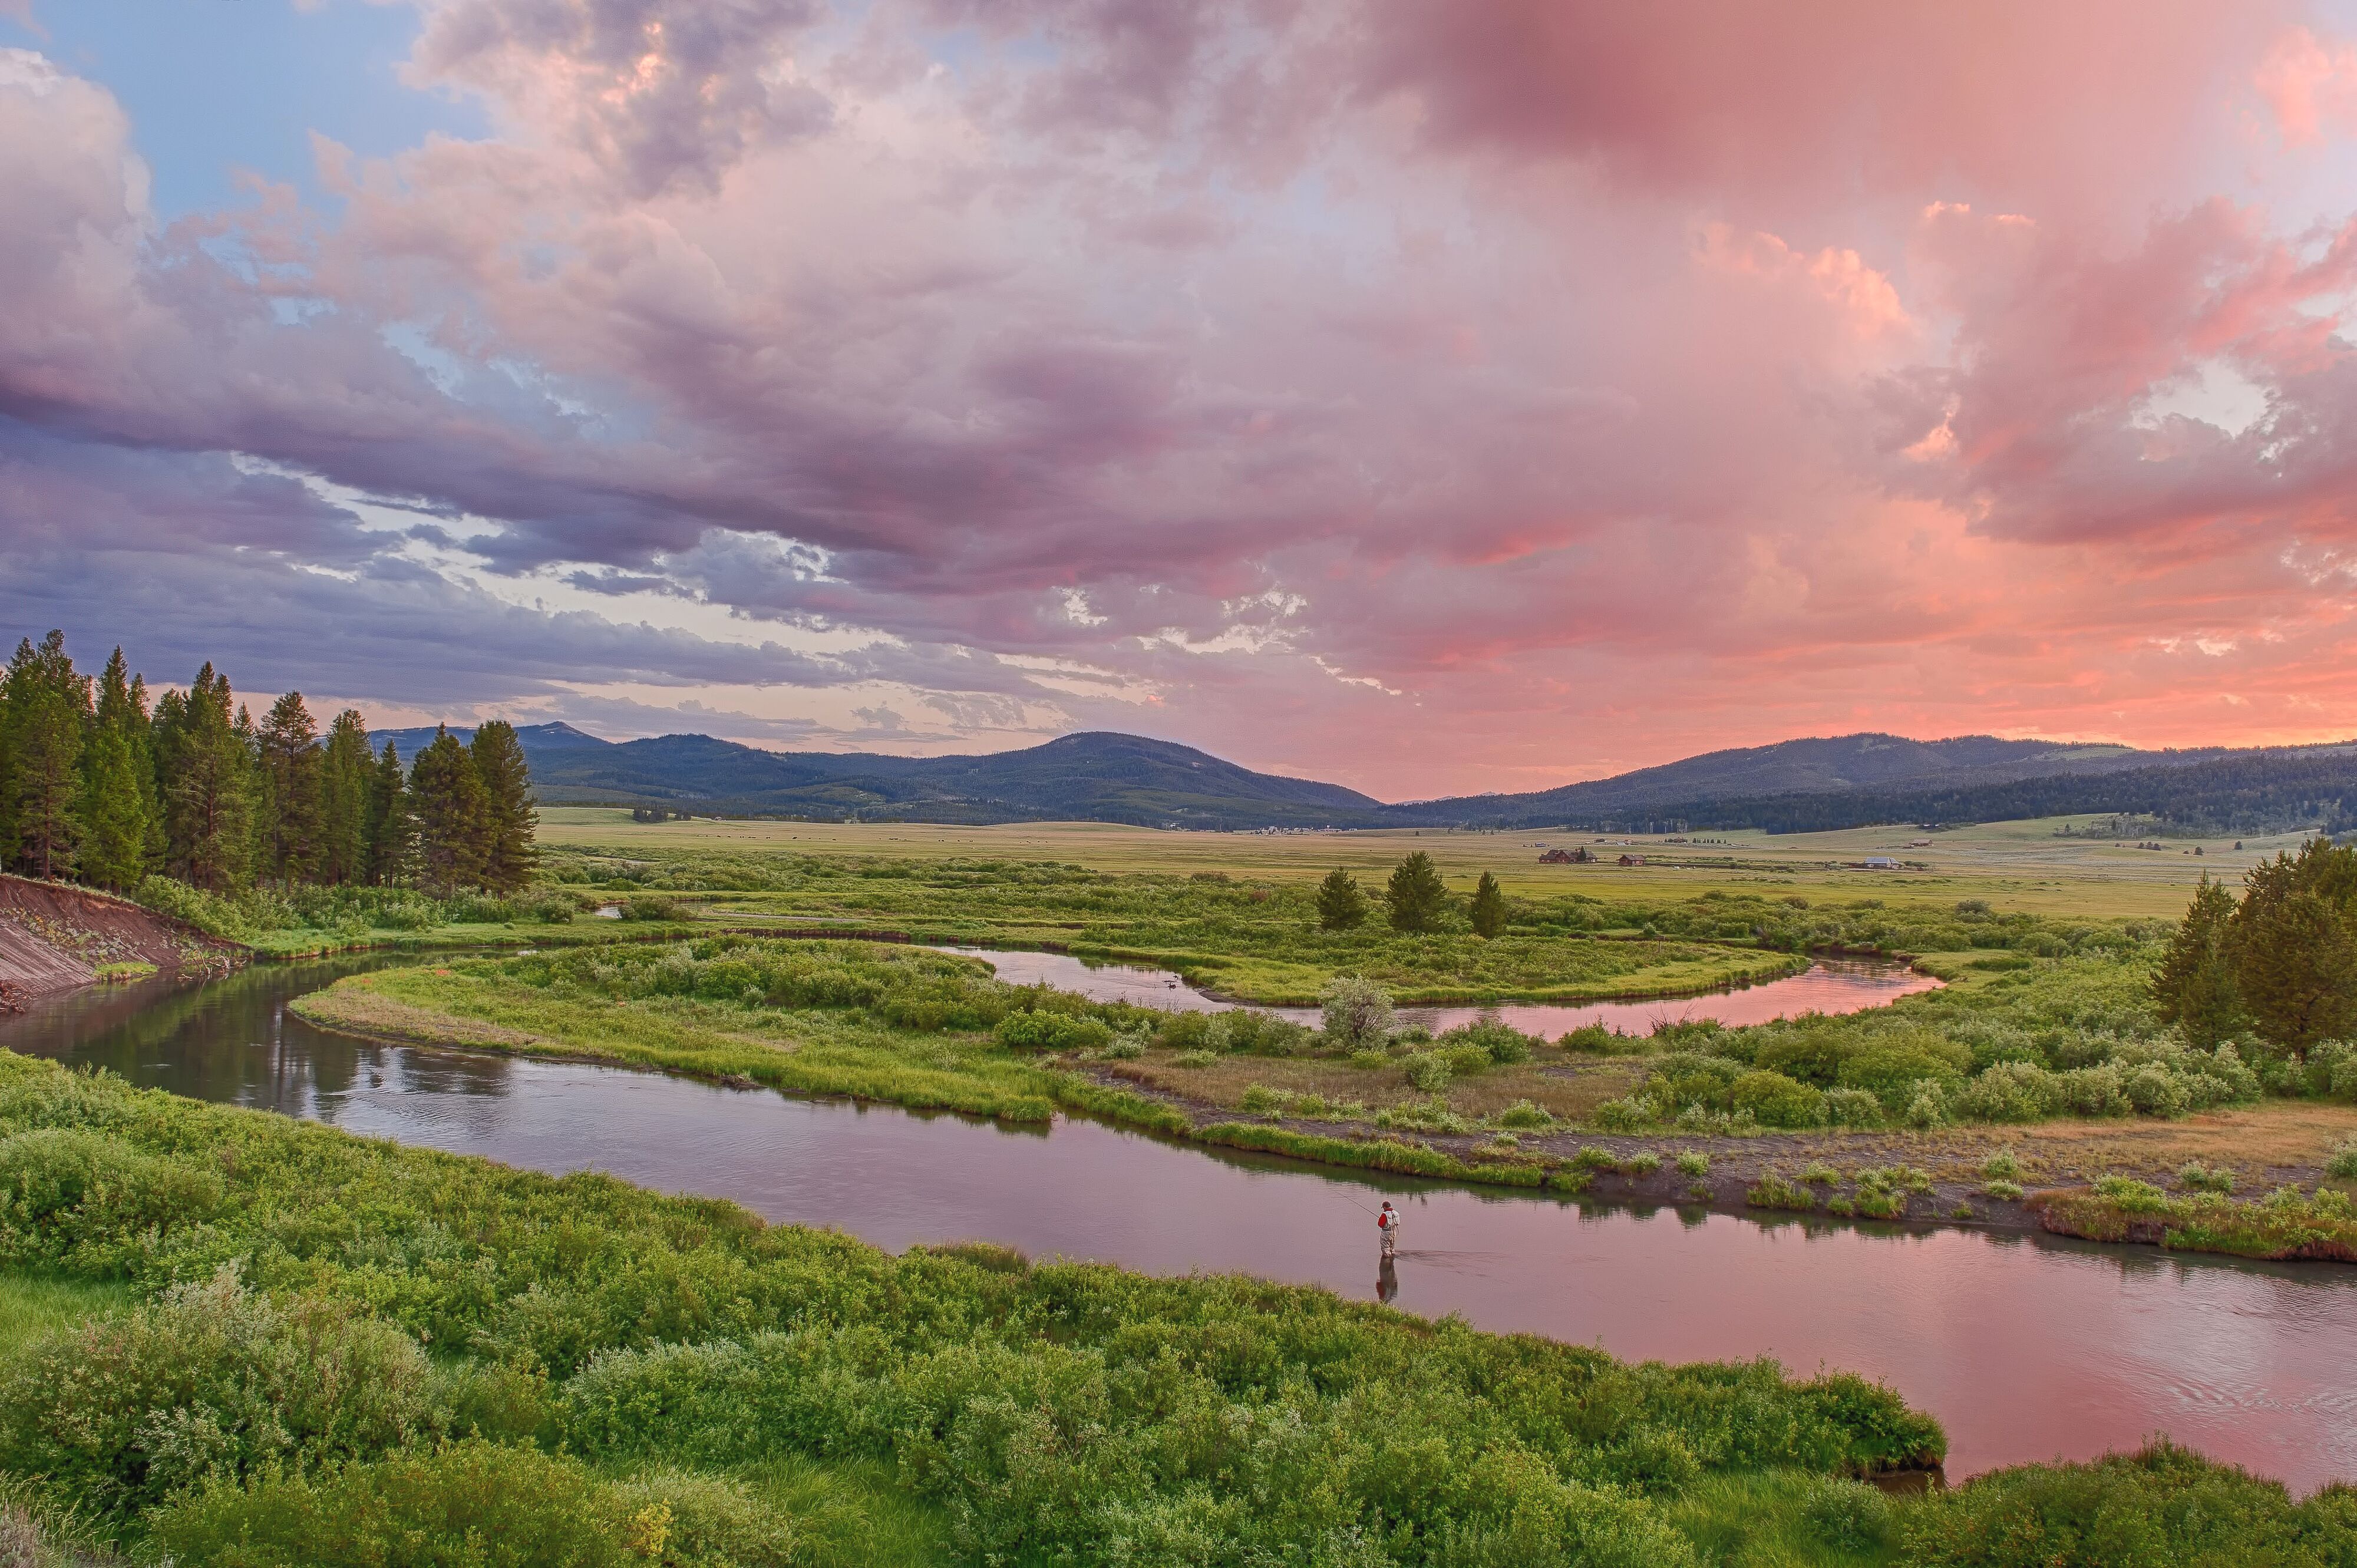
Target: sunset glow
1426	397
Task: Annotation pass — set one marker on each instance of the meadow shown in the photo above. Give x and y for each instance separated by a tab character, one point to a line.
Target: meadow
244	1339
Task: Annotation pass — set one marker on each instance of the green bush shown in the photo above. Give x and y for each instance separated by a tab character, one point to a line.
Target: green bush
210	1383
2008	1091
76	1199
1773	1191
1051	1031
2342	1164
2160	1507
1357	1012
469	1505
1500	1045
1776	1100
1429	1071
1894	1073
1693	1162
1523	1115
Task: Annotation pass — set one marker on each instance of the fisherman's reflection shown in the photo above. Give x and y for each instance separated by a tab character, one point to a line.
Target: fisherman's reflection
1387	1281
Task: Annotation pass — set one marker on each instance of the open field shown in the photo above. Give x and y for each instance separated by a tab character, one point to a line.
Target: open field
2026	865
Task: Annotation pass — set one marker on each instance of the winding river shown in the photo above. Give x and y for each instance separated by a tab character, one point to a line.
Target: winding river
2024	1347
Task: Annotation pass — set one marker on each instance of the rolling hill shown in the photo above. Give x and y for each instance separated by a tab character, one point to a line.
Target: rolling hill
1095	777
1793	786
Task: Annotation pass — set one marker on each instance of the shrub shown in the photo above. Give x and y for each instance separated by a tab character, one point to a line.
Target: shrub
1358	1011
1630	1113
1776	1100
2003	1165
1894	1073
2156	1092
1502	1046
1848	1516
2195	1176
212	1384
2342	1164
651	907
79	1199
1643	1163
1429	1071
1261	1034
1817	1173
1693	1162
1463	1060
1194	1058
1051	1031
1772	1191
1997	1187
1929	1108
2008	1091
472	1503
1594	1039
1524	1116
1592	1159
1852	1108
2163	1505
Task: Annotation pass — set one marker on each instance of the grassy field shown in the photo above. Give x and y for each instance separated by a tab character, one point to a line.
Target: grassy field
2027	866
314	1348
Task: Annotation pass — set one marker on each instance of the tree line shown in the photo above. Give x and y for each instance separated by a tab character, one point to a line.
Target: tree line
2280	961
99	785
1415	899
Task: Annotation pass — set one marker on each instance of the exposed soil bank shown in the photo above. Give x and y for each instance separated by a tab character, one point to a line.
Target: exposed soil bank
54	938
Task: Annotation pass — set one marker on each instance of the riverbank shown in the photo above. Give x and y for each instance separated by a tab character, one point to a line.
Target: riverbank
607	1353
54	936
1527	1126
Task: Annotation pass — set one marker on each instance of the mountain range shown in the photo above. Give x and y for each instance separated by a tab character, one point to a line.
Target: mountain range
1841	782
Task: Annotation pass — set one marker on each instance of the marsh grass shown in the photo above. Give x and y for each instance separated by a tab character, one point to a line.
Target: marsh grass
34	1303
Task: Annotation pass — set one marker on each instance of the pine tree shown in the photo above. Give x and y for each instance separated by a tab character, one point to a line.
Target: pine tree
118	788
287	747
1340	905
2293	943
1489	909
46	713
2194	985
1415	896
207	771
453	815
391	825
510	855
347	780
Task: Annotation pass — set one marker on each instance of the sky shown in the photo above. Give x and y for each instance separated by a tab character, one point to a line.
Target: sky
1431	396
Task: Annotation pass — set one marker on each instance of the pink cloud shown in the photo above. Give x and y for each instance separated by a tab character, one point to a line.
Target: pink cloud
1435	398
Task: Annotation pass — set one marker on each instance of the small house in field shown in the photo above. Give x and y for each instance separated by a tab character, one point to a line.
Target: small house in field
1632	860
1881	862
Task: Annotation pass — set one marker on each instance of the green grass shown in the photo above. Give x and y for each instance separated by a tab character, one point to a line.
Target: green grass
745	1380
35	1303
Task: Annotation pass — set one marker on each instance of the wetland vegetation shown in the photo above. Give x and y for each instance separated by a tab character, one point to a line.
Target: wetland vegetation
252	1340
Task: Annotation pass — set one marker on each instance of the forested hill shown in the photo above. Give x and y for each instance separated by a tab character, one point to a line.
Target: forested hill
1796	785
1839	766
1093	776
2245	793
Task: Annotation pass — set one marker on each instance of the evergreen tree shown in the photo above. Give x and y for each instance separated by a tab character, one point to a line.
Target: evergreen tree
391	825
1340	905
118	786
286	746
207	770
1489	909
2195	984
510	855
453	815
347	780
45	708
1415	896
2293	942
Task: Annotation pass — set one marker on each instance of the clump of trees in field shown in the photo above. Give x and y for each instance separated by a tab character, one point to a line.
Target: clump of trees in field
2281	961
100	785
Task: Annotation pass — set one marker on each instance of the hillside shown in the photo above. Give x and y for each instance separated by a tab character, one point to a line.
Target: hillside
1838	765
1793	786
1096	777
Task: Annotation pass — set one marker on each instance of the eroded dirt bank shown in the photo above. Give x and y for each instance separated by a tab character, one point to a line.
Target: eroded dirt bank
54	938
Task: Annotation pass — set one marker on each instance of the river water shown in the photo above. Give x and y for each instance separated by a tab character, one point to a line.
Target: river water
2024	1347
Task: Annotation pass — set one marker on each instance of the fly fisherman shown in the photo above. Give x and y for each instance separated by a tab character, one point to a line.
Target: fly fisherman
1387	1223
